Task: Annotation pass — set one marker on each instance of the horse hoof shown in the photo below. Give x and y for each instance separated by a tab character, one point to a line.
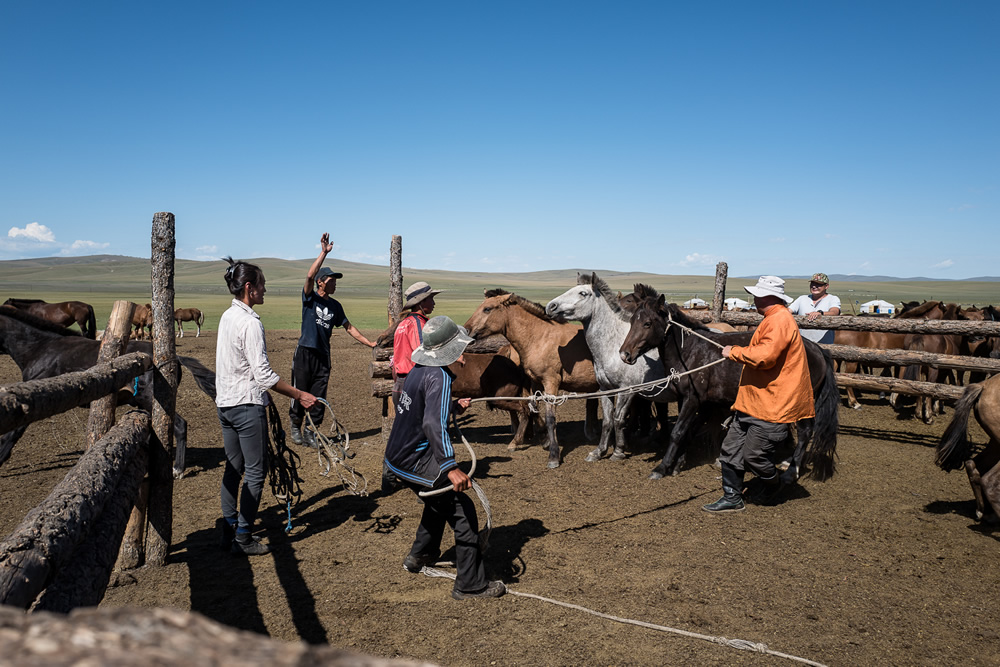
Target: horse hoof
856	407
178	473
553	464
655	475
618	456
593	456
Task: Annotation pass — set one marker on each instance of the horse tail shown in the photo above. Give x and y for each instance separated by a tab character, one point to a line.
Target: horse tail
204	376
91	331
953	450
201	318
911	373
823	449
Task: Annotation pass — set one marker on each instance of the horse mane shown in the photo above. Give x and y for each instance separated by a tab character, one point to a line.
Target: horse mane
13	301
536	309
37	322
919	311
951	311
490	293
602	288
644	291
677	314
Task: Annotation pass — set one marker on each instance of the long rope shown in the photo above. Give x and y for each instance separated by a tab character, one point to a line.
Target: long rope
282	465
740	644
334	449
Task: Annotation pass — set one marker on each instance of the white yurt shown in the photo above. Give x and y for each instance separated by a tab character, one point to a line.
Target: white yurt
877	306
695	303
733	303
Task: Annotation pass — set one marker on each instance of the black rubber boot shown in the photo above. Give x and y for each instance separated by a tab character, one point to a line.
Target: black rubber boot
295	432
732	492
770	492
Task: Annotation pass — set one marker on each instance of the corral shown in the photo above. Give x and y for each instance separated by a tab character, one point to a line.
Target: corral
884	564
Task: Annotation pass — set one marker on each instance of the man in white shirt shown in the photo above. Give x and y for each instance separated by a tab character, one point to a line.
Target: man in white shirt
815	304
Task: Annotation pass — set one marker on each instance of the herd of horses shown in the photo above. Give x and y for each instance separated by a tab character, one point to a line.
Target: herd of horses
635	352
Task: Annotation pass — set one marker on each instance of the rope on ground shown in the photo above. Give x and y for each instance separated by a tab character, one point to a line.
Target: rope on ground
334	449
740	644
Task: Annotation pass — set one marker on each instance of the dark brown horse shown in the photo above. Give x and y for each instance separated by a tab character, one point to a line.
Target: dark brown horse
43	350
955	451
653	325
64	313
493	376
951	344
188	315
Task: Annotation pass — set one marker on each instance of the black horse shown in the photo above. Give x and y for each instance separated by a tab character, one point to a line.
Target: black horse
43	350
652	327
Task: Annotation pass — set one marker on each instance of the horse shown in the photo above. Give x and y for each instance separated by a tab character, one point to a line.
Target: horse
63	313
652	326
494	375
43	350
985	347
950	344
188	315
554	355
142	319
605	325
955	451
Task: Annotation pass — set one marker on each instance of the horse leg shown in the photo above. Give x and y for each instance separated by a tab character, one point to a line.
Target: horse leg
180	442
852	401
590	422
990	482
550	426
607	406
180	330
199	331
621	416
7	442
519	422
685	416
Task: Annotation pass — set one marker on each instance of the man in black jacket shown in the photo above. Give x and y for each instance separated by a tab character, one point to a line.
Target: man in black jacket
420	454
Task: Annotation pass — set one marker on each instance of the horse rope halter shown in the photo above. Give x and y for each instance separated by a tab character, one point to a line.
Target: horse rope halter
333	450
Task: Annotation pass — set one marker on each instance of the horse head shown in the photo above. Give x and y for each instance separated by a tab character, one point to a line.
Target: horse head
490	317
584	300
647	329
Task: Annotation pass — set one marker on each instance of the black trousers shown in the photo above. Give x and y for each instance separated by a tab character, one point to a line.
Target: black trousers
310	372
750	445
458	511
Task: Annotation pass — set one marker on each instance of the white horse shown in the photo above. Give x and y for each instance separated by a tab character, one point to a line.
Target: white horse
605	326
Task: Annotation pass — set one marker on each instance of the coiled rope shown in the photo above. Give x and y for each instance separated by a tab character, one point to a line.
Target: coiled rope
333	450
282	464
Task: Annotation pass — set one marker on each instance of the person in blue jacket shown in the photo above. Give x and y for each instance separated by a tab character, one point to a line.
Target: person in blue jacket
420	454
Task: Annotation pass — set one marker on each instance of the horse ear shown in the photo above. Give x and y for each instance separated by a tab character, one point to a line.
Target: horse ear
661	301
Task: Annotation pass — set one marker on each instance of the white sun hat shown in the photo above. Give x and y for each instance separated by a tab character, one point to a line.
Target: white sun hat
769	286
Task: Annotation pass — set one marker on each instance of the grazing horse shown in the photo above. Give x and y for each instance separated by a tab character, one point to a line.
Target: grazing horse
63	313
605	325
653	326
955	451
188	315
554	355
142	319
43	350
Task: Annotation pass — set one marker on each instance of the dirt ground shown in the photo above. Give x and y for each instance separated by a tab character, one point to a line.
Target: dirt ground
885	564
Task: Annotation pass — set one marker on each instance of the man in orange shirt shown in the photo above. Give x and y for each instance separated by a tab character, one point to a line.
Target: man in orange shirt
775	391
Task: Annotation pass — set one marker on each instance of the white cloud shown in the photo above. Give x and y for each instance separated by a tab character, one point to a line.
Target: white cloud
943	265
698	259
963	207
365	258
34	232
207	249
83	247
829	236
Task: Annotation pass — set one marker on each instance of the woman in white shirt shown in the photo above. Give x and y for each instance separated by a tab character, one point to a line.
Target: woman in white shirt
242	377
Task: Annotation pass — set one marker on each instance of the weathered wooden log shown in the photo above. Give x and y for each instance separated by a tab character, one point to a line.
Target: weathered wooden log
382	353
380	370
120	636
382	389
394	305
912	358
27	402
48	536
165	380
113	342
909	387
131	552
719	300
83	581
891	325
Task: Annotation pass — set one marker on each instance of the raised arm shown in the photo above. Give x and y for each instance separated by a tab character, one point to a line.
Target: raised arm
324	249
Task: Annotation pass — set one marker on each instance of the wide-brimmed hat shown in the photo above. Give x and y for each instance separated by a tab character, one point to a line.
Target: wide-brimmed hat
416	293
769	286
821	278
444	341
327	272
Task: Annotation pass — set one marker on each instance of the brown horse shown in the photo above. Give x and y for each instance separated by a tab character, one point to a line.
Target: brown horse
554	354
955	450
142	320
188	315
64	313
495	375
938	344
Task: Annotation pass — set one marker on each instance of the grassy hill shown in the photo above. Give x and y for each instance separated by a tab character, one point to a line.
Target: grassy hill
102	279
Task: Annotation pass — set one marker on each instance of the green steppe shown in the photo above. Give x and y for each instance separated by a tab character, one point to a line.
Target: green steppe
100	280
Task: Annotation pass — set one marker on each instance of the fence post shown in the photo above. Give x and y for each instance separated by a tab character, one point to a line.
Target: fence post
394	308
166	374
113	343
719	301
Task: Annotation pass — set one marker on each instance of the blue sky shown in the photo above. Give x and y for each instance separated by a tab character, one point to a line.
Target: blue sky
783	137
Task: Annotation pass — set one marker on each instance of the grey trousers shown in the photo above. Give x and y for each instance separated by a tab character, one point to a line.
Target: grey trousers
244	428
750	445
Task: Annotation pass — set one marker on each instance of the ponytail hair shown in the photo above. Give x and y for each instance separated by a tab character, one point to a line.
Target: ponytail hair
239	274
